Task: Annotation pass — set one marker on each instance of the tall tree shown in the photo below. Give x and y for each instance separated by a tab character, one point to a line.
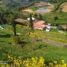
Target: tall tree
57	3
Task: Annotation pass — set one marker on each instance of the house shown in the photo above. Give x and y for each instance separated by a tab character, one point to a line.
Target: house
43	7
41	25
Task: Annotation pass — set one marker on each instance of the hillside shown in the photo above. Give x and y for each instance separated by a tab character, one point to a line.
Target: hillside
19	3
28	38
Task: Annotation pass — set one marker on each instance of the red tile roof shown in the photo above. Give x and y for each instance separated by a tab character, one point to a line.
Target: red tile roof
39	25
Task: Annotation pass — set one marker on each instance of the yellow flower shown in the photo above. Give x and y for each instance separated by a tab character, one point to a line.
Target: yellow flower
62	61
63	65
41	60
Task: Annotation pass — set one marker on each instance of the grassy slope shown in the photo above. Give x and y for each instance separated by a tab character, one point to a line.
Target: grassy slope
32	47
62	18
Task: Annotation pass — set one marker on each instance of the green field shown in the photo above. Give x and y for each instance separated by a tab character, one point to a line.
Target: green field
32	45
61	18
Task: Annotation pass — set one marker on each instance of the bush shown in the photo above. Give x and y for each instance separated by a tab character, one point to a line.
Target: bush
32	62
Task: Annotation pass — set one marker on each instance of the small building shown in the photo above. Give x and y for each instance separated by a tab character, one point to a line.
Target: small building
44	7
41	25
62	27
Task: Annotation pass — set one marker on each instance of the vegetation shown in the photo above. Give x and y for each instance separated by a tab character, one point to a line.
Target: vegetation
57	4
31	44
33	62
61	18
40	47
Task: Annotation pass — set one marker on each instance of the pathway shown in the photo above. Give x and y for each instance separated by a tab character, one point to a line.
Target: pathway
54	42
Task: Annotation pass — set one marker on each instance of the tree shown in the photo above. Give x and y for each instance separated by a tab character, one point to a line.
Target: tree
31	22
57	3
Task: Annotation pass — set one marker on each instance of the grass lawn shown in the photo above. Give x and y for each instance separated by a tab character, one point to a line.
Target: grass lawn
32	47
61	17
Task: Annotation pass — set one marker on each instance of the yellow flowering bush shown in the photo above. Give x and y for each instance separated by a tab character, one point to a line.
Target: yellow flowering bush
32	62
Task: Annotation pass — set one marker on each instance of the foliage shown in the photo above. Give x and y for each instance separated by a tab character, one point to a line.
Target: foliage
57	4
33	62
34	8
9	16
61	18
32	41
31	44
7	13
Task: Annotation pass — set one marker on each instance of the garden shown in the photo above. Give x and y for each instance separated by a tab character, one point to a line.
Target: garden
23	46
49	45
